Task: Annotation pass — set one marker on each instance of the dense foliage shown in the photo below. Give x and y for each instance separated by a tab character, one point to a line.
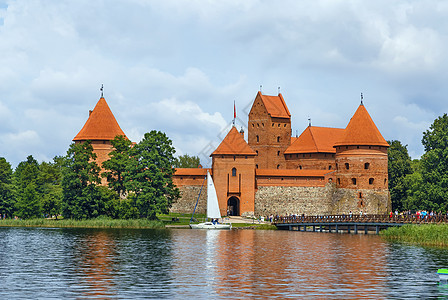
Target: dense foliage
138	177
186	161
423	186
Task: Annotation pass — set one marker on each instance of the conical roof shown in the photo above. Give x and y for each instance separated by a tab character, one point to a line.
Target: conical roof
234	144
316	140
362	131
101	124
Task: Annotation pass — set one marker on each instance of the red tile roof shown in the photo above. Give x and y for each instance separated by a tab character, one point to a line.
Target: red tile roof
316	140
234	144
291	173
362	131
275	105
191	171
101	124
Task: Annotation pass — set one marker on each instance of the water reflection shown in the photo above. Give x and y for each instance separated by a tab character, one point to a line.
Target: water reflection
94	258
199	264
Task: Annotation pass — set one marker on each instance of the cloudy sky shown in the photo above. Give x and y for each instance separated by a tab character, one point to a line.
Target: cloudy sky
178	66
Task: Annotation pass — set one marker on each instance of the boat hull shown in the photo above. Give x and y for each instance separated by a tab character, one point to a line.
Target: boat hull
210	225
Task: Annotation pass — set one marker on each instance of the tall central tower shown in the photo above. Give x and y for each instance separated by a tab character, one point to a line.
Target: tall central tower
269	132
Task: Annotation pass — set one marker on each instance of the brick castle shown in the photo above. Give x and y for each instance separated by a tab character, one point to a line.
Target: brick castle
323	171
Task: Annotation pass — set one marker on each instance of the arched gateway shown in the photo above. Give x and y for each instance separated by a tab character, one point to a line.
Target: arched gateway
233	206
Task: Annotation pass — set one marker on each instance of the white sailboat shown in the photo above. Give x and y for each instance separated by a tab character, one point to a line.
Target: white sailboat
213	212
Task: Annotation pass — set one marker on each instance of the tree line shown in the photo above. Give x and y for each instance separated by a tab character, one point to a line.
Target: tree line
421	184
138	177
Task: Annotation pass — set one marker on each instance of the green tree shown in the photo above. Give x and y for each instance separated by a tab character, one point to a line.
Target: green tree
414	192
399	166
434	166
80	197
28	205
186	161
115	167
150	175
26	191
50	177
6	191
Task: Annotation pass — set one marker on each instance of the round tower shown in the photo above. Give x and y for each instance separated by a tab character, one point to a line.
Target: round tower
100	128
361	166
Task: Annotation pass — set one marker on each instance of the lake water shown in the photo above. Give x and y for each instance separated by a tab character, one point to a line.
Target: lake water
197	264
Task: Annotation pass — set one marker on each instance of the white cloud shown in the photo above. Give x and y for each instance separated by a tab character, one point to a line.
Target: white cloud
178	66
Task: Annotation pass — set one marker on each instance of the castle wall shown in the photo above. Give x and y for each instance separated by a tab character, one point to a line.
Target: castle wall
277	200
323	200
367	201
188	197
310	161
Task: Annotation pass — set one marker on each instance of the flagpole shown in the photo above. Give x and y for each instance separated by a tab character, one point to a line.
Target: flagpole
234	113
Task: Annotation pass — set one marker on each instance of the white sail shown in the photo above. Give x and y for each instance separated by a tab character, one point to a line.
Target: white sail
212	200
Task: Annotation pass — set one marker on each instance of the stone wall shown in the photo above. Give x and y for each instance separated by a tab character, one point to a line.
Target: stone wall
293	200
363	200
319	200
187	201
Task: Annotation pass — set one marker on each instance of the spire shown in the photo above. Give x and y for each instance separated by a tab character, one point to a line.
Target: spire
101	89
101	124
362	131
361	99
233	144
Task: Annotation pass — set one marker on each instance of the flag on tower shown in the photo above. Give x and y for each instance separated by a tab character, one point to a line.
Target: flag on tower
234	112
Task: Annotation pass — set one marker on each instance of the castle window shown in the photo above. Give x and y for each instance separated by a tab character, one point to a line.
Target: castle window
278	166
272	124
234	172
278	139
354	181
329	167
256	151
347	166
258	138
370	180
253	125
336	166
300	167
366	166
330	179
370	147
256	166
278	153
278	124
234	157
357	147
385	181
262	124
258	125
245	157
284	125
339	181
360	195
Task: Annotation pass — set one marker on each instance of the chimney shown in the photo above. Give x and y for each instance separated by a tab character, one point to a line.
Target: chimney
242	132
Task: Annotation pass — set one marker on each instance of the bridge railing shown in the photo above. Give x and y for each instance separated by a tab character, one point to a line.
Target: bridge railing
364	218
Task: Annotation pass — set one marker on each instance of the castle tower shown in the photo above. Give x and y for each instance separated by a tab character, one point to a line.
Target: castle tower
233	168
361	163
101	127
269	131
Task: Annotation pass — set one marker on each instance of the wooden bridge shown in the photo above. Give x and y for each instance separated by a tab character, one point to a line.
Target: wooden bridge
353	223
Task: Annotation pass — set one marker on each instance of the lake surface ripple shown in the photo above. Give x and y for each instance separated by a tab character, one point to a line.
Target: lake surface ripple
43	263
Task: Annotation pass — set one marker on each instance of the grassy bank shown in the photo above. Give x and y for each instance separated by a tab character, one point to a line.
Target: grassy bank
425	235
92	223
